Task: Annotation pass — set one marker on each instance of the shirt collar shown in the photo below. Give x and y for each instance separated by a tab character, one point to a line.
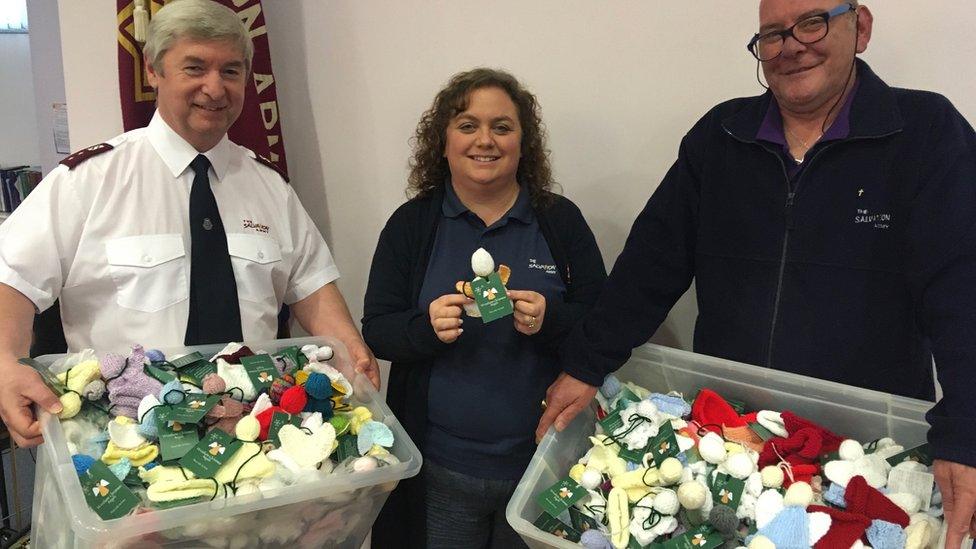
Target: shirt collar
177	153
453	207
771	128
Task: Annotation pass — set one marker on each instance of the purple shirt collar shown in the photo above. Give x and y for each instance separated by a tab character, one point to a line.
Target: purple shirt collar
772	126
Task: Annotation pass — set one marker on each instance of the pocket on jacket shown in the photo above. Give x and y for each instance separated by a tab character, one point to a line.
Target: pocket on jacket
254	258
149	271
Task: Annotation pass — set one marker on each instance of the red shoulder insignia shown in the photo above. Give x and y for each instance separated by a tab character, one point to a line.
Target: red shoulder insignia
85	154
272	165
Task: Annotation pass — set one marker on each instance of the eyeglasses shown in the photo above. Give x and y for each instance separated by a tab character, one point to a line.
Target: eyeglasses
769	46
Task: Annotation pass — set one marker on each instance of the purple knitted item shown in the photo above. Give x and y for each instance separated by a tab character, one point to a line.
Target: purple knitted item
127	385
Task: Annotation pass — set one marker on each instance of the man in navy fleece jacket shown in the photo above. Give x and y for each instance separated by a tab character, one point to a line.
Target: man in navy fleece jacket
829	226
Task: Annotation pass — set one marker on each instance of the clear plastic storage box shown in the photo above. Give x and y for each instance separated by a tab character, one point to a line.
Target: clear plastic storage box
850	411
336	510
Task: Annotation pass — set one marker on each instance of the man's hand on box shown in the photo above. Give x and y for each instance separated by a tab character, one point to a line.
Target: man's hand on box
365	363
958	485
20	389
565	398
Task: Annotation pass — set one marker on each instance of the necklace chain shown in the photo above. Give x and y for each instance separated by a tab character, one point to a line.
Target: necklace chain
802	143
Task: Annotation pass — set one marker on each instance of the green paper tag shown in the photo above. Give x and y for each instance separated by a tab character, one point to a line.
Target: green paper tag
191	410
159	374
261	369
762	432
186	360
175	438
560	496
665	444
921	454
612	422
295	356
279	420
633	456
625	397
198	370
703	537
582	522
210	453
554	526
727	490
739	407
347	447
489	294
105	493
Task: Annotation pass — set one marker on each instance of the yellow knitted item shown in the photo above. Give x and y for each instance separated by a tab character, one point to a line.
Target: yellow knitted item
258	466
182	489
358	417
80	374
164	474
301	377
70	405
137	456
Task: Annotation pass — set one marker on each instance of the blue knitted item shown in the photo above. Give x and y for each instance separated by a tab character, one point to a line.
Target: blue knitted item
886	535
172	393
611	386
594	539
149	465
834	495
672	405
318	386
82	463
790	529
155	355
121	468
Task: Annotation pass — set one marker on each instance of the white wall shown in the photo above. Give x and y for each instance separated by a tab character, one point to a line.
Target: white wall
45	49
619	82
18	127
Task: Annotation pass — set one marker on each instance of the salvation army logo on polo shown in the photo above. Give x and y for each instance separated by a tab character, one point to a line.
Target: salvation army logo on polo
873	219
548	269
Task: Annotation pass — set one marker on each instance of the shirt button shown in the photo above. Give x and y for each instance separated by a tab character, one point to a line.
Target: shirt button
207	224
260	255
147	258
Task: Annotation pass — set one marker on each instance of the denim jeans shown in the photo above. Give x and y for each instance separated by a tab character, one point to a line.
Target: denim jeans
467	512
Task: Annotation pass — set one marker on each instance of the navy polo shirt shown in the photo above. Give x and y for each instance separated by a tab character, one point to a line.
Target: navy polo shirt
486	390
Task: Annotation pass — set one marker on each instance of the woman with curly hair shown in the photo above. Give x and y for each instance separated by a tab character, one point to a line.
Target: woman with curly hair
470	396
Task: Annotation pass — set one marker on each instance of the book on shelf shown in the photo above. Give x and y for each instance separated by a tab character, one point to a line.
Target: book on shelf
16	183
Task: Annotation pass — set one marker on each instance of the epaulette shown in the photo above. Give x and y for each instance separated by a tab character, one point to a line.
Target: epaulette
272	165
84	154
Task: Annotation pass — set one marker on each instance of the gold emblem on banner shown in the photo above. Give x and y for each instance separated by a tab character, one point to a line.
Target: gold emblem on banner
126	29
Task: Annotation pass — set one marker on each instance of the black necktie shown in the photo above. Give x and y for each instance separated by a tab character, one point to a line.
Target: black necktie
215	315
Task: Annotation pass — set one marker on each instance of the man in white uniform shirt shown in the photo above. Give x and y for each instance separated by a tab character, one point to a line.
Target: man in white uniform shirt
113	230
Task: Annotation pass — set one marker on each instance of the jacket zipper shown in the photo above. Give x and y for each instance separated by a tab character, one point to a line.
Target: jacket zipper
791	192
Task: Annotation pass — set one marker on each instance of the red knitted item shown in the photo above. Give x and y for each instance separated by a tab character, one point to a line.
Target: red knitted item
801	447
794	423
712	412
864	499
235	358
294	400
802	472
264	420
845	528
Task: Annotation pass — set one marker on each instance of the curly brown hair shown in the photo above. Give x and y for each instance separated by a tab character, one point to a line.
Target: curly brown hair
428	167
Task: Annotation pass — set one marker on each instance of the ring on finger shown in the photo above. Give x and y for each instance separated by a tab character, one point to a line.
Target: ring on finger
531	322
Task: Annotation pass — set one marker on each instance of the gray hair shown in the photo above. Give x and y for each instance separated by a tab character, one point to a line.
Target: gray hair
197	19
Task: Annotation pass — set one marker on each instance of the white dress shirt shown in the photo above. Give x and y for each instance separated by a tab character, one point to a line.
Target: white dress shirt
111	239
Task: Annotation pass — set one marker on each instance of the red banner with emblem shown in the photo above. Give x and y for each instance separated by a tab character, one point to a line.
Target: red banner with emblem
258	127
